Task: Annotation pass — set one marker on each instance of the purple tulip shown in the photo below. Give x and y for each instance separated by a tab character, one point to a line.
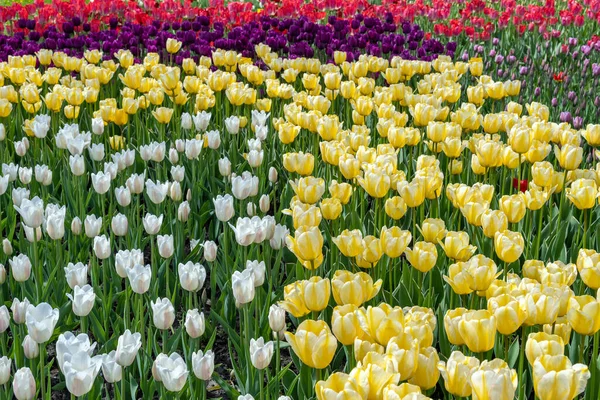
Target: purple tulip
565	116
577	122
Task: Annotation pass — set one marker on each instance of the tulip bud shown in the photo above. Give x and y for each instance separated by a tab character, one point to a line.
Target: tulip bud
272	175
251	209
276	318
224	167
21	267
139	278
2	274
111	370
101	247
7	247
186	121
123	196
224	209
264	203
261	353
98	126
165	245
203	364
163	313
191	276
24	384
5	365
243	286
119	225
76	226
30	348
127	348
210	250
19	310
194	323
183	211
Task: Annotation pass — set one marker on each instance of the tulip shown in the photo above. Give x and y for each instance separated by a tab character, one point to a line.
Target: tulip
371	253
127	348
92	226
394	241
21	267
339	385
423	256
313	343
509	245
456	246
494	380
68	343
554	375
163	313
509	313
349	242
171	371
588	265
194	323
83	300
356	289
224	210
584	314
5	365
203	364
32	212
452	319
24	384
309	189
395	207
101	247
80	372
457	373
112	371
40	321
191	276
433	230
561	328
541	308
19	310
210	250
478	330
31	349
569	156
482	272
7	248
583	193
541	343
260	353
402	354
307	244
152	223
243	286
381	323
375	378
139	278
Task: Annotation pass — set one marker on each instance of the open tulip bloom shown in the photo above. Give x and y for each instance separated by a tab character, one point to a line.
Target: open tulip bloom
299	199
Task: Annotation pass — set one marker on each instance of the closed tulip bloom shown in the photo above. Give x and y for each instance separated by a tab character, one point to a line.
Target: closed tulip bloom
509	245
457	373
203	364
165	245
350	288
433	230
519	138
402	355
510	314
83	300
459	278
456	246
403	391
313	343
345	324
276	318
40	321
80	370
194	323
493	221
583	193
243	286
423	256
413	192
341	191
569	156
426	374
375	183
260	353
24	384
555	377
20	267
494	380
307	244
584	314
258	271
293	299
395	207
101	182
111	371
32	212
152	223
349	242
561	328
588	265
5	365
191	276
478	329
316	293
139	278
536	198
224	210
305	214
163	313
514	207
171	371
101	247
375	377
31	349
19	310
381	323
349	166
371	253
309	189
127	347
163	115
483	271
451	322
92	226
119	225
331	208
394	241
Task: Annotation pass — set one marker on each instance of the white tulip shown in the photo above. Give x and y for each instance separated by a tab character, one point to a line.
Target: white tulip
191	276
261	353
201	120
210	250
101	247
135	183
83	300
76	274
7	248
163	313
123	196
171	371
77	164
194	323
18	195
165	245
203	364
80	372
243	286
139	278
20	267
112	371
31	349
178	173
127	348
76	226
43	175
214	139
101	182
258	271
24	384
119	225
98	126
224	166
19	310
224	209
152	223
276	318
25	175
32	212
193	147
96	151
40	321
186	121
183	211
5	365
68	343
4	319
232	124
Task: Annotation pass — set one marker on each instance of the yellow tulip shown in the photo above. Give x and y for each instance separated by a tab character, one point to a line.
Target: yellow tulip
287	132
302	163
350	243
116	142
339	386
583	193
331	208
457	373
591	134
541	308
493	221
403	353
313	343
561	327
394	241
514	207
426	374
350	288
413	192
371	253
584	314
456	246
488	152
423	256
341	191
316	292
381	323
478	330
536	198
588	265
345	325
395	207
519	138
542	343
163	115
458	278
509	313
555	377
374	379
494	380
375	183
433	230
307	244
293	300
309	189
509	245
569	156
451	321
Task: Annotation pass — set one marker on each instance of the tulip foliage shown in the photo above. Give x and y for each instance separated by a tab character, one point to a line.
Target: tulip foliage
293	220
